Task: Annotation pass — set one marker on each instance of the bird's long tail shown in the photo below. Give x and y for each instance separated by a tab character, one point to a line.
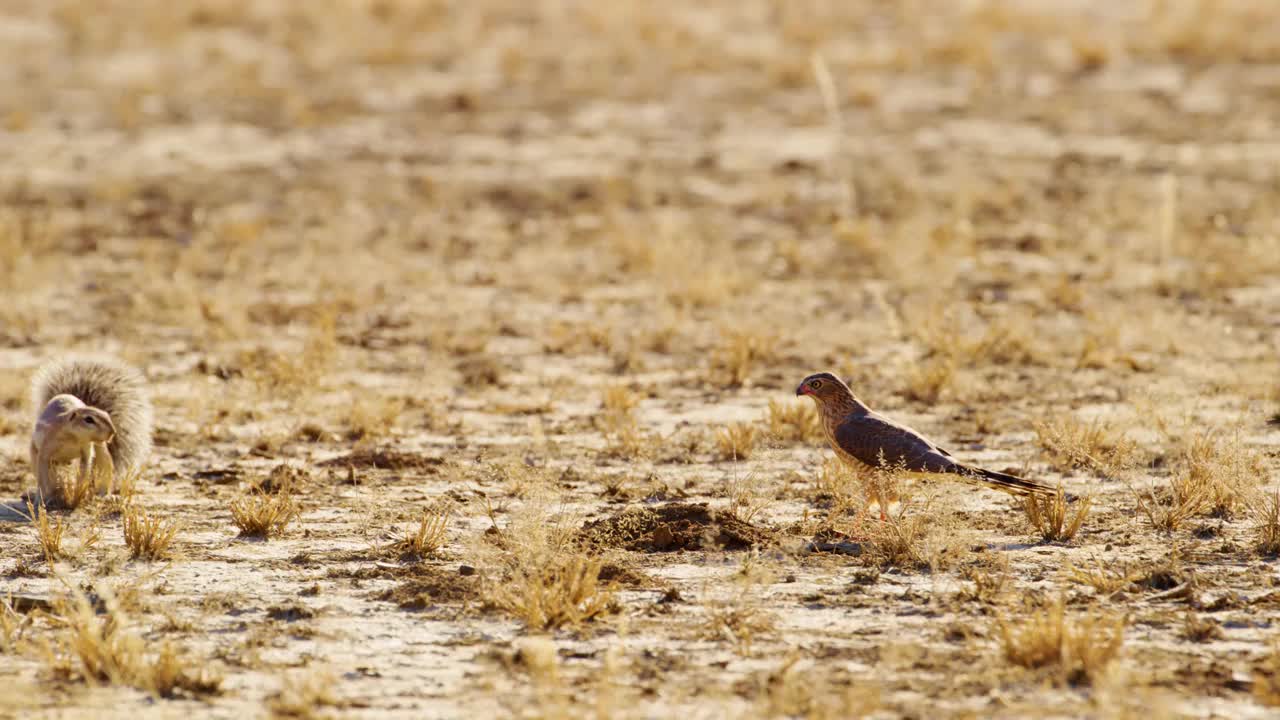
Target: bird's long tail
1012	483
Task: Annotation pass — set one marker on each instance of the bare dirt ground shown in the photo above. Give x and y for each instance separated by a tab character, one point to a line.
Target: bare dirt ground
539	280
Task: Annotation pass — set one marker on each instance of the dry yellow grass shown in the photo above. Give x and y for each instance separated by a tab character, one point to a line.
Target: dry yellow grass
622	433
1228	471
1266	677
11	627
793	421
517	263
48	532
1265	509
1078	649
1053	518
304	695
810	691
430	534
1095	446
737	441
746	499
557	592
736	356
104	650
264	516
1107	579
148	536
1186	497
926	381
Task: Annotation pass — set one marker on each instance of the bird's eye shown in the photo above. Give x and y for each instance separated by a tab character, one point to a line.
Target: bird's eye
815	384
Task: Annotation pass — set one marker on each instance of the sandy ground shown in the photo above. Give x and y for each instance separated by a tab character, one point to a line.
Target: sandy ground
550	274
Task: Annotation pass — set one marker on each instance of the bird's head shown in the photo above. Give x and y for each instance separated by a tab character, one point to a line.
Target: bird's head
822	387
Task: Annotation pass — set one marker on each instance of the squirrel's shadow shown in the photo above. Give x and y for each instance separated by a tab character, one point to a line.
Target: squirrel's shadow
15	511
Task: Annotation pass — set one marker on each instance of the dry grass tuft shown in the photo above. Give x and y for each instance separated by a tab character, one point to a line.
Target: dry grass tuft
69	492
807	690
264	516
429	536
1226	469
746	502
371	417
147	536
793	422
737	355
1078	649
1106	579
561	590
303	695
12	625
619	399
126	488
1266	677
927	380
990	580
740	617
544	578
50	534
1186	497
736	441
618	423
1053	518
899	541
737	622
839	484
919	537
1199	628
1096	446
1265	509
101	650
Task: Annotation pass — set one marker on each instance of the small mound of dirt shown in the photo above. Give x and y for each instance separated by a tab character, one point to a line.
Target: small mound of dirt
432	586
283	478
676	526
625	576
480	370
290	613
383	459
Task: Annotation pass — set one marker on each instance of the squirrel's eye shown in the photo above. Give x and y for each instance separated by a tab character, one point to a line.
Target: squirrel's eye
88	420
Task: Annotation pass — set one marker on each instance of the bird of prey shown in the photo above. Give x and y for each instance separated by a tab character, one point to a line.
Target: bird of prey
862	437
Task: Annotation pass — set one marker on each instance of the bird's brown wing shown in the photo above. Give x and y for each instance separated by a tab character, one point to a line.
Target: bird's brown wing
878	441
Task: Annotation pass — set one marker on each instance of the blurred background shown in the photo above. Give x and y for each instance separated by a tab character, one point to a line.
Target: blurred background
1102	175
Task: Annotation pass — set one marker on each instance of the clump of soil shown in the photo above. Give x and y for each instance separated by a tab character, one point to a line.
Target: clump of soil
432	586
625	576
290	613
676	526
480	370
283	478
384	459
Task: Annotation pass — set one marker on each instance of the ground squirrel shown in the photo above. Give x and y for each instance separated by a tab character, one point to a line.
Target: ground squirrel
95	410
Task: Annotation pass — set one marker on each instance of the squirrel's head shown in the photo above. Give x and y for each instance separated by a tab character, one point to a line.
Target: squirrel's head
91	424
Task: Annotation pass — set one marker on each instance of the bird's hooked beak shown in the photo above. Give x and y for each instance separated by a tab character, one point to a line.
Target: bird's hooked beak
803	389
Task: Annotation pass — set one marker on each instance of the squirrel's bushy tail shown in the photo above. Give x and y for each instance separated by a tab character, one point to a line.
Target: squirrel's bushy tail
108	385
